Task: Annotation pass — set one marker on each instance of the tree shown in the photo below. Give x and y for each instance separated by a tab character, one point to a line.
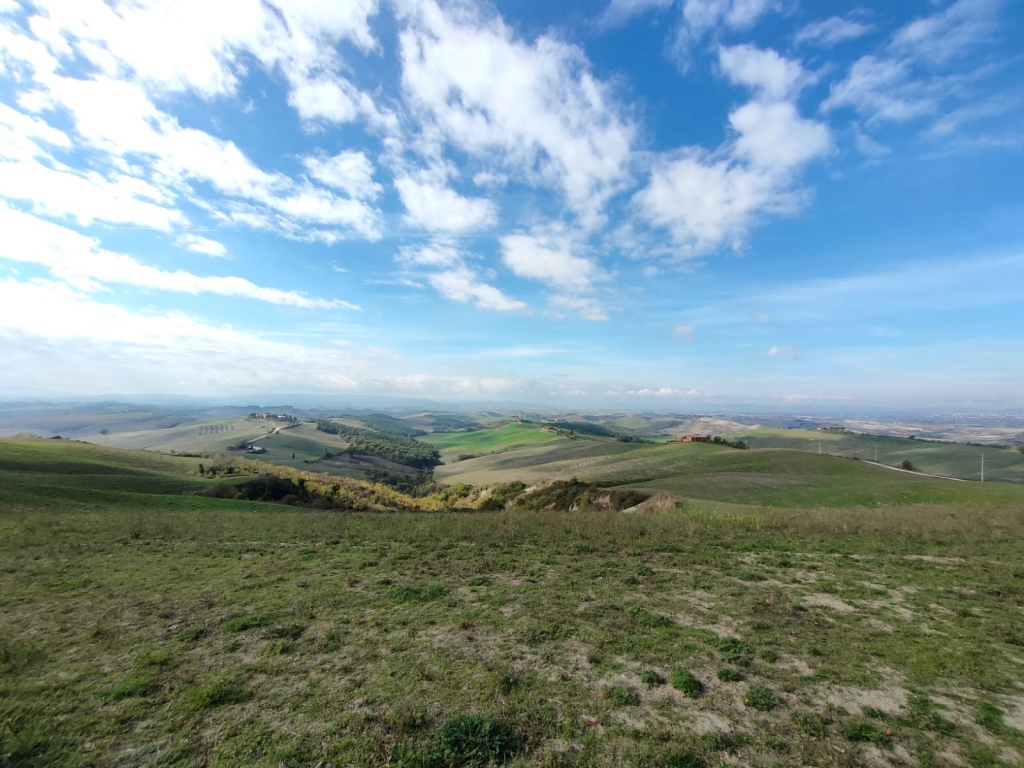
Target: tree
908	466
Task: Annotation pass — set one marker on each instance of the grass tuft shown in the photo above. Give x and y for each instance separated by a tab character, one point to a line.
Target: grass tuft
622	697
651	678
244	623
218	692
761	698
417	594
684	681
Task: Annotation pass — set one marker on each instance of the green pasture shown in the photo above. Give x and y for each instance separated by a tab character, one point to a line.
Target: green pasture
940	458
505	438
142	625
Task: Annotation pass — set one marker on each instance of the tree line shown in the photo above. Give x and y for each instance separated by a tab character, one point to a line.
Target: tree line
400	450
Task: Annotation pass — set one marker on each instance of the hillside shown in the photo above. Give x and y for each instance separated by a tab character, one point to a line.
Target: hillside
940	458
146	622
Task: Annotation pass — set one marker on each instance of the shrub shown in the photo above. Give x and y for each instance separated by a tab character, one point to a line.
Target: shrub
685	682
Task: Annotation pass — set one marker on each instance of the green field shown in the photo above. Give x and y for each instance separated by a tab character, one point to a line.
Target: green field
779	477
504	438
146	625
939	458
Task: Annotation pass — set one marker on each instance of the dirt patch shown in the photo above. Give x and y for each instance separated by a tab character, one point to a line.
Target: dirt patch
890	700
659	502
935	559
832	602
728	629
881	625
1014	712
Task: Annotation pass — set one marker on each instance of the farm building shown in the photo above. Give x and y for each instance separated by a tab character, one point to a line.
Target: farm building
694	439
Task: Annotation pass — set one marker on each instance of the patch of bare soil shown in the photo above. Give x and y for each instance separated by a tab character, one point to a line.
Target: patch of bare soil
832	602
890	700
660	502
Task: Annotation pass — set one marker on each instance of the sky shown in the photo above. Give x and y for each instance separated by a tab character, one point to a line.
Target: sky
642	204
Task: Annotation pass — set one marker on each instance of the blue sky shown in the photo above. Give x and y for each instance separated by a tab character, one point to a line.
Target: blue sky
655	204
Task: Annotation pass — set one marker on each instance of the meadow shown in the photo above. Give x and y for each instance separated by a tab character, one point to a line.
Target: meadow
940	458
143	624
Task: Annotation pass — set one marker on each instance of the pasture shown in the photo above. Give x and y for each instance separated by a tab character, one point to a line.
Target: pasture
940	458
143	625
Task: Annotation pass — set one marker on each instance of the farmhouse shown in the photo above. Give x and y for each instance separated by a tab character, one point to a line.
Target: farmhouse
695	438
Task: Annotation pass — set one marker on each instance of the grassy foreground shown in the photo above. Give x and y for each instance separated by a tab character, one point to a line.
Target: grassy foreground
141	626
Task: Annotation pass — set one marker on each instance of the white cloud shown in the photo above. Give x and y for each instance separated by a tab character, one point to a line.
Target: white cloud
549	259
142	52
349	171
533	111
200	244
178	45
701	17
774	136
661	392
915	74
88	196
79	260
437	207
620	11
786	353
462	285
453	278
489	179
119	119
709	200
21	135
869	147
586	307
112	349
832	30
684	332
431	255
944	35
881	89
764	71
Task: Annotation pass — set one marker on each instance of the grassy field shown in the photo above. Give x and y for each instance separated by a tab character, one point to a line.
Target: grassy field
787	478
143	626
504	438
949	459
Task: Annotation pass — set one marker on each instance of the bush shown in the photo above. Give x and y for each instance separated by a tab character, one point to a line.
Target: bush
684	681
